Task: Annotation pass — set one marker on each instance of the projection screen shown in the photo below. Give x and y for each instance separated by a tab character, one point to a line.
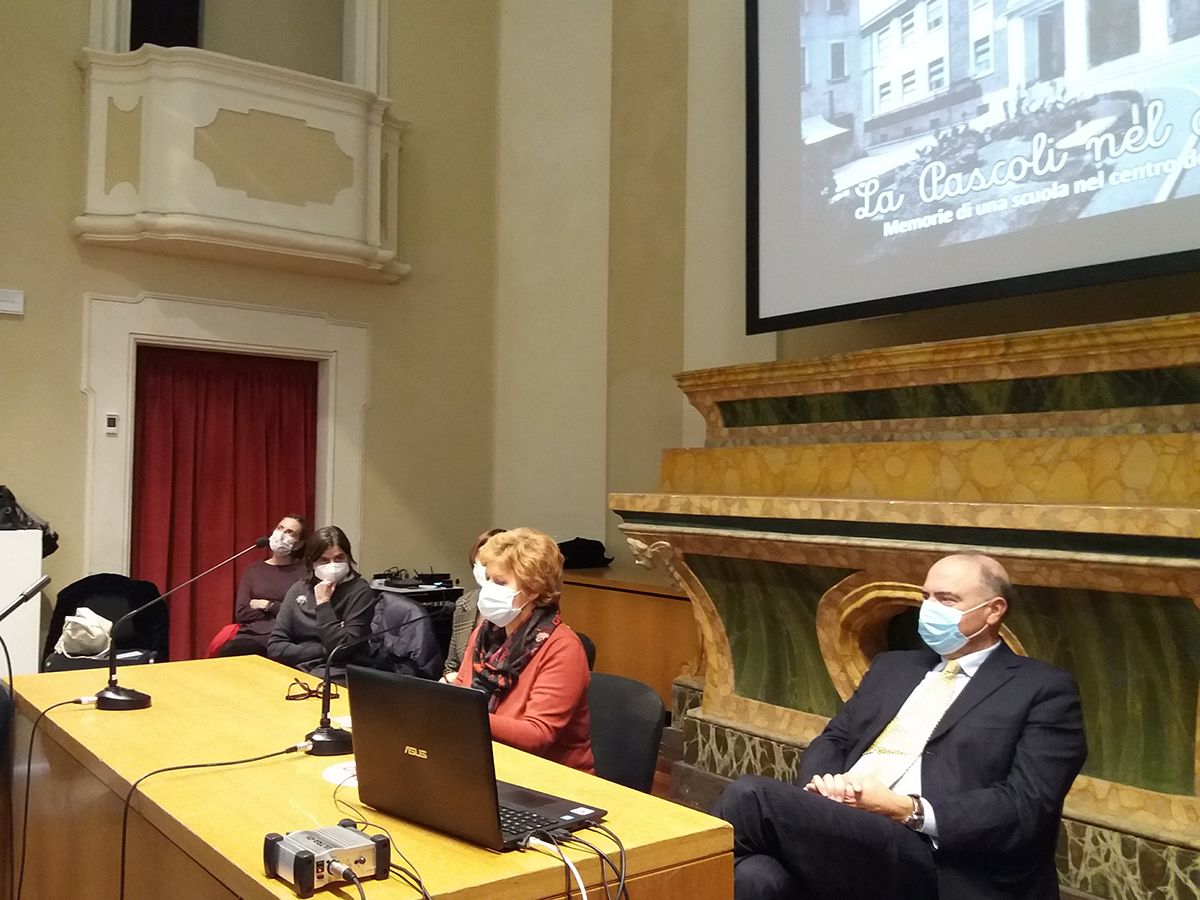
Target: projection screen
920	153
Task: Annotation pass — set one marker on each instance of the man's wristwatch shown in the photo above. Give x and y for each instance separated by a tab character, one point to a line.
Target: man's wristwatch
915	819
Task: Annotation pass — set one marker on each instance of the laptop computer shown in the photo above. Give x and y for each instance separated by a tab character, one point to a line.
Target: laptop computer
423	752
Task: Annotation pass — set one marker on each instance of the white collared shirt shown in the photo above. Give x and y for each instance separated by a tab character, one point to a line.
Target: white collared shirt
910	781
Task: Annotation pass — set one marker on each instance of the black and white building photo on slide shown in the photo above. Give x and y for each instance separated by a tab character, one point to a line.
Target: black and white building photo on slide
930	123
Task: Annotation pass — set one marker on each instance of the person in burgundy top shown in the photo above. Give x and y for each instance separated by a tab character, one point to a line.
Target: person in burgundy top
528	661
263	587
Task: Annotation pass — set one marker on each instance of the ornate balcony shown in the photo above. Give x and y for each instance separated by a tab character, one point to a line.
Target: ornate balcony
195	153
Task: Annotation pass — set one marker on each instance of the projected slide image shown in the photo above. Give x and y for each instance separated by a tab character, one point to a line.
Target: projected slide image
939	123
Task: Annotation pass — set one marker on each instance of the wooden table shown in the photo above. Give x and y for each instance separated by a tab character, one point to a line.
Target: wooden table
199	833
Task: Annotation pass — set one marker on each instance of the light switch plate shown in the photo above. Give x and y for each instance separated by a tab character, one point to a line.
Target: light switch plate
12	302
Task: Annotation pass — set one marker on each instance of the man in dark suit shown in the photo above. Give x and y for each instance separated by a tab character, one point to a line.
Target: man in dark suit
942	777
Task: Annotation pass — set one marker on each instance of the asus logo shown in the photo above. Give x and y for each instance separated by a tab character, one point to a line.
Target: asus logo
417	752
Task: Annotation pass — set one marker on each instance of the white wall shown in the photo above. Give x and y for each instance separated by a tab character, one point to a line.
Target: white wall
714	310
20	568
549	402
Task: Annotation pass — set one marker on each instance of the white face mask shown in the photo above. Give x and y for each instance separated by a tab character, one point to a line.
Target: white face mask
496	603
332	572
479	570
281	542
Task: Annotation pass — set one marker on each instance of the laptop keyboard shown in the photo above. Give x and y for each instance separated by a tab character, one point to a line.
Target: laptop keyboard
520	822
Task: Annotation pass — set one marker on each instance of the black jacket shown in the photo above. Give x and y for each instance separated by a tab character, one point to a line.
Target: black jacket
996	769
412	648
305	633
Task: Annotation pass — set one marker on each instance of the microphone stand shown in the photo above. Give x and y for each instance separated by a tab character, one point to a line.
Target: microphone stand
328	739
116	697
26	595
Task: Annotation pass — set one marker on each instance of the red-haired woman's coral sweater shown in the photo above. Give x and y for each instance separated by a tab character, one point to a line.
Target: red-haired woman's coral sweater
546	711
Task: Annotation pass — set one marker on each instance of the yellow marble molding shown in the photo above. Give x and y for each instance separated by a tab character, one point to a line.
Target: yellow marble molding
273	157
123	146
1138	344
1162	817
898	567
775	723
1131	520
716	659
852	619
1124	470
660	557
1053	424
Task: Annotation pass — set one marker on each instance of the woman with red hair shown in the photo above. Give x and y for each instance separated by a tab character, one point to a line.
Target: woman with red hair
524	657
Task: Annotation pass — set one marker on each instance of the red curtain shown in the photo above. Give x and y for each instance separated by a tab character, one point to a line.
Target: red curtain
224	445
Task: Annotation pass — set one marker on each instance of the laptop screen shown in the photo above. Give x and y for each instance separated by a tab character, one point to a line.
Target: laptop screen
423	752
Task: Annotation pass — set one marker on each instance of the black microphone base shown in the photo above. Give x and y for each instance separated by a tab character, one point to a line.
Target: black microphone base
117	697
330	741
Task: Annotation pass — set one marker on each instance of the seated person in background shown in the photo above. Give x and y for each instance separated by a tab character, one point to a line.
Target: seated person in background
409	645
332	605
466	611
263	586
942	777
522	655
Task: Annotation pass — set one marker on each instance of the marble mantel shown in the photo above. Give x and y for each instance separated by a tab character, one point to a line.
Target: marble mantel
827	487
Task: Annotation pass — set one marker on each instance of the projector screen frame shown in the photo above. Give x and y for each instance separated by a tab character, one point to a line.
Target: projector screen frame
1117	271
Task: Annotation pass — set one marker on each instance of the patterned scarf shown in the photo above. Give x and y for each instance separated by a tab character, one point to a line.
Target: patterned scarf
498	660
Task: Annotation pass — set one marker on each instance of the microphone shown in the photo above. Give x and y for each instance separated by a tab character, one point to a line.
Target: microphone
32	591
116	697
327	739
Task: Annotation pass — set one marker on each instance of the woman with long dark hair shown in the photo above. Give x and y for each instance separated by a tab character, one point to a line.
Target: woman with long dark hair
332	605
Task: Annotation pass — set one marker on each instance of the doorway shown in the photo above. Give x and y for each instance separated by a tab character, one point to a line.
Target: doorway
224	445
115	327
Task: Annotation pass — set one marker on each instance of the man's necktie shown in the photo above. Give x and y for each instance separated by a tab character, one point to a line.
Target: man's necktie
901	743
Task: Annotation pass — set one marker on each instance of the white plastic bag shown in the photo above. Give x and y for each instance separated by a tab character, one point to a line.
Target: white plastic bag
85	634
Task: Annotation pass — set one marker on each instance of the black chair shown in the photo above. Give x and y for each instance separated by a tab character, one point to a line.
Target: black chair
111	596
589	649
412	648
627	725
438	604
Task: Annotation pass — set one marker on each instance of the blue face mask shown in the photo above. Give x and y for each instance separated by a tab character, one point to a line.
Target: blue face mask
938	626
